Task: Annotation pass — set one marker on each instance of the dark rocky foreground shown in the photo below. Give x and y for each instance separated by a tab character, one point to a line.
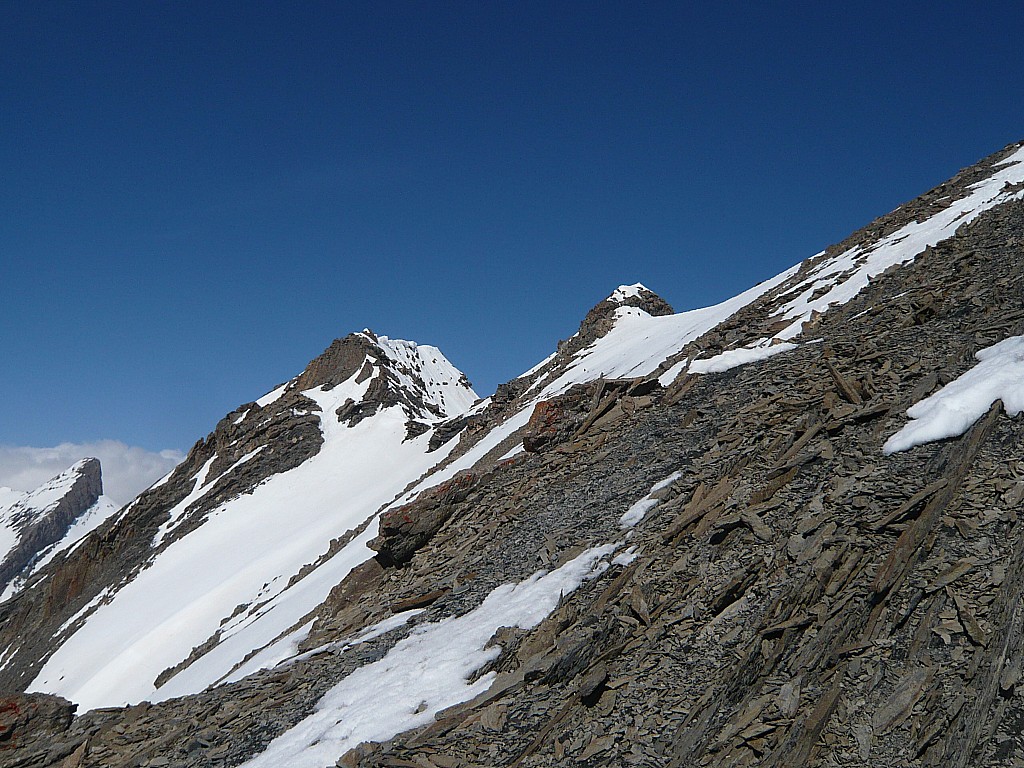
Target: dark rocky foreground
798	599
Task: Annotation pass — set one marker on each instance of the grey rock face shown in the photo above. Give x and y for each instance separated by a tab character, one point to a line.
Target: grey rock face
34	727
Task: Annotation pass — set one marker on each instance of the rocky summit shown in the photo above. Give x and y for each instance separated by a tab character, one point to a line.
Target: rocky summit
784	530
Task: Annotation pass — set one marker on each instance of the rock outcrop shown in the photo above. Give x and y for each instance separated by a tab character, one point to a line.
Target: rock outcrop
33	730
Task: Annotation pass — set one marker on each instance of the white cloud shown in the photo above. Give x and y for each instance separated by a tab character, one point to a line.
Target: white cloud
127	469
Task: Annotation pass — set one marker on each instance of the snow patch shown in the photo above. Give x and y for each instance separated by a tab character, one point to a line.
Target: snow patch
370	633
999	375
175	513
639	510
670	375
624	292
514	452
733	358
625	558
273	396
282	650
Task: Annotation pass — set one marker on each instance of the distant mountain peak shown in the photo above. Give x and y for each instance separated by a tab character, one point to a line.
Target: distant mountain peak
84	474
32	524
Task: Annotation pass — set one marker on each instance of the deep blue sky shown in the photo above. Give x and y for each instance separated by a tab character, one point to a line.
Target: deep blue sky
197	197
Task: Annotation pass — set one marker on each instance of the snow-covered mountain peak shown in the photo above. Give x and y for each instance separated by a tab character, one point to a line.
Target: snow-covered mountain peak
298	476
418	377
425	369
603	316
30	505
636	295
51	492
624	292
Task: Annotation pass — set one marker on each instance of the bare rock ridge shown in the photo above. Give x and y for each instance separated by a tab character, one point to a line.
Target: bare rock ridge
767	587
41	523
